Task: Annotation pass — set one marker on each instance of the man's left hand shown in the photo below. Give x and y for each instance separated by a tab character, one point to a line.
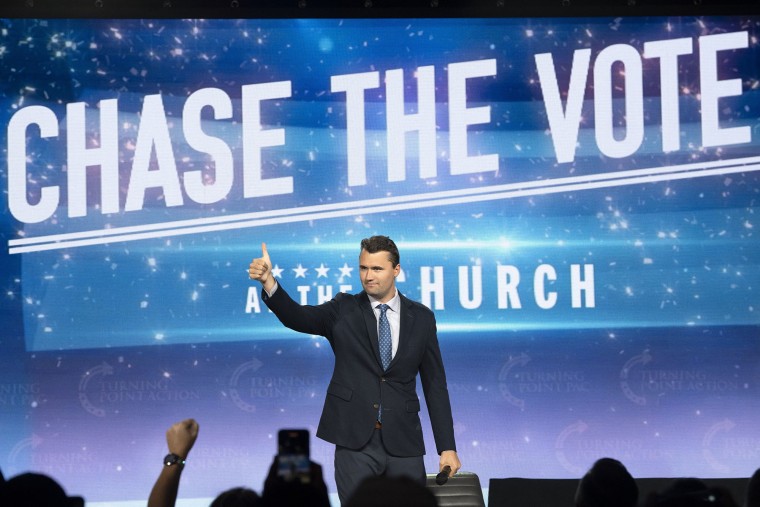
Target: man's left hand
451	459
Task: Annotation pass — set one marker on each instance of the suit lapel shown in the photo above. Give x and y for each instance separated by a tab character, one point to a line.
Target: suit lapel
405	328
370	321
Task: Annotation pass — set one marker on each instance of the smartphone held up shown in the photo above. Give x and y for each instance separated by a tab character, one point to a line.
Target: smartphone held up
293	461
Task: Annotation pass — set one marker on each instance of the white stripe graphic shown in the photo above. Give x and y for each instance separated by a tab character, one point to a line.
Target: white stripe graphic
382	205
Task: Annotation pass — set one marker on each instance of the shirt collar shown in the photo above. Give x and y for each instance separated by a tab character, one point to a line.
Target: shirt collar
393	304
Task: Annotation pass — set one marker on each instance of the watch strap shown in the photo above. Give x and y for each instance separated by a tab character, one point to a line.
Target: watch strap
173	459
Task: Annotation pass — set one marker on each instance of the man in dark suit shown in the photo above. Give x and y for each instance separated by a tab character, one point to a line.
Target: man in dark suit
381	341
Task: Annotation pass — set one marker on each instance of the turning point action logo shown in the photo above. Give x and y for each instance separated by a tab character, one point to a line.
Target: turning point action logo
102	390
42	454
725	452
580	444
251	366
26	446
637	381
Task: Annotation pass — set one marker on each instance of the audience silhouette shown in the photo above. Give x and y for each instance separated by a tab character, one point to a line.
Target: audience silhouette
691	492
34	489
752	497
607	484
237	497
279	492
707	497
181	437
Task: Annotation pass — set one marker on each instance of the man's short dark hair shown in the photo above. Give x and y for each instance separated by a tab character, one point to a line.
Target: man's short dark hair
376	244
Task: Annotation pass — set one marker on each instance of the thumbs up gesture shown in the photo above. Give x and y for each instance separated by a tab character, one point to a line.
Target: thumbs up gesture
261	269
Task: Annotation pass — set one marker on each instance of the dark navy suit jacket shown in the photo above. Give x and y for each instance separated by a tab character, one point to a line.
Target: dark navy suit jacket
359	385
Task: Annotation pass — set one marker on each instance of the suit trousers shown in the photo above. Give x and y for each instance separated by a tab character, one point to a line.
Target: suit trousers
352	466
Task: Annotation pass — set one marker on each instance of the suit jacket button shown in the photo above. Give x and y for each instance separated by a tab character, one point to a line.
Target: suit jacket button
375	406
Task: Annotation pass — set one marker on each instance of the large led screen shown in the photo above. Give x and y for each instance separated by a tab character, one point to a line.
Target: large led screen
575	198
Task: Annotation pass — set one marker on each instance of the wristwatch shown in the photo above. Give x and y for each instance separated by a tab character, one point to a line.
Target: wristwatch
173	459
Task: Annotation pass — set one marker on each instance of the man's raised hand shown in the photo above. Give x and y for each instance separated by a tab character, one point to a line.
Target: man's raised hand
181	436
261	269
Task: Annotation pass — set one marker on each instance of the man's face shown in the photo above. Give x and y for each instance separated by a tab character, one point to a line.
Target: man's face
378	275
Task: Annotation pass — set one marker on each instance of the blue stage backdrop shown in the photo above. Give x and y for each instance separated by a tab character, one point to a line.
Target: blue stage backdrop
575	198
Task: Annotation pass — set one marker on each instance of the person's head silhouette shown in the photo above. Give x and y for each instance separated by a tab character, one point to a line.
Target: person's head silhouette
607	484
28	489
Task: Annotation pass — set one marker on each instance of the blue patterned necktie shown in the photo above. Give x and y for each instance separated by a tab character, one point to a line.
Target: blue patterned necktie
386	347
384	332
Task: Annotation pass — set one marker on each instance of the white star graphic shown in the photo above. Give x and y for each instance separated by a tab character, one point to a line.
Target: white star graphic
300	271
322	270
345	270
277	271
